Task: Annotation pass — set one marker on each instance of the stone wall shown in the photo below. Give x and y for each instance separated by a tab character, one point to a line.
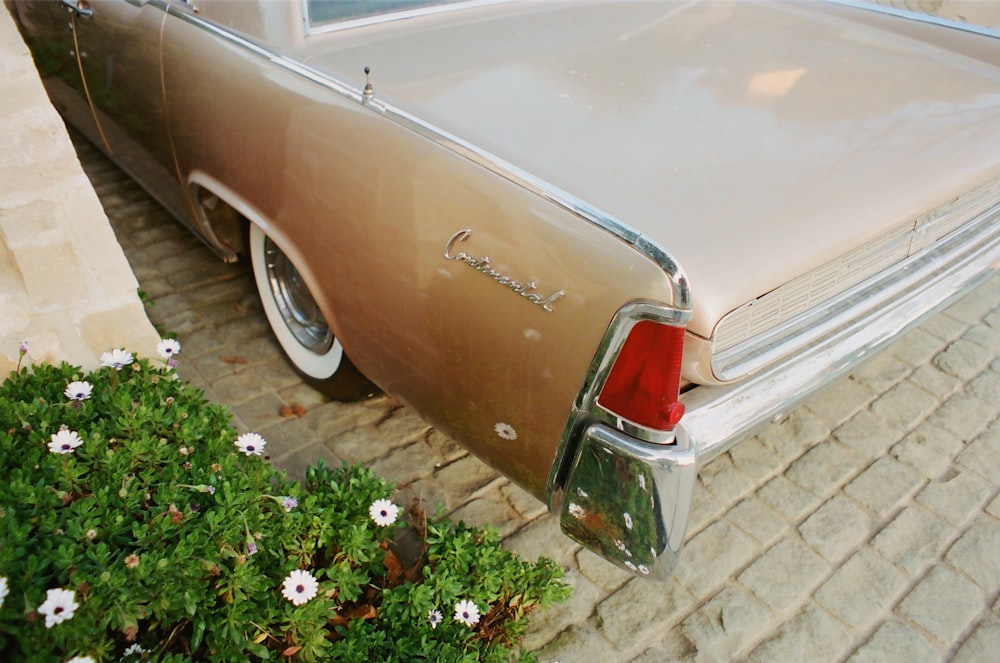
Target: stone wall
65	284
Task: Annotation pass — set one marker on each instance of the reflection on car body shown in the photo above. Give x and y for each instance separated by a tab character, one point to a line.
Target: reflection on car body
689	216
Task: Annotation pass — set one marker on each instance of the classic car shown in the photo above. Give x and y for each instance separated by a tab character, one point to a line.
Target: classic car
597	243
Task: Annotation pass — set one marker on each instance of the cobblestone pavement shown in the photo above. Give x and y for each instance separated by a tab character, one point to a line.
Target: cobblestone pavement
864	527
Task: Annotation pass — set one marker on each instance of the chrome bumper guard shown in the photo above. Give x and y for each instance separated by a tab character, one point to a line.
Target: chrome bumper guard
628	500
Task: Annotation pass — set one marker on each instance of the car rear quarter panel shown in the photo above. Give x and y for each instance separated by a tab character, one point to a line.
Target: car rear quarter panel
366	207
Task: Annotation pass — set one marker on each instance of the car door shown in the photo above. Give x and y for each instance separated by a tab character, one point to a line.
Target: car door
50	30
119	48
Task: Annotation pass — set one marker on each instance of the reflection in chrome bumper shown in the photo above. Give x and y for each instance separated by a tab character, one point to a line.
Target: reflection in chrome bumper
629	500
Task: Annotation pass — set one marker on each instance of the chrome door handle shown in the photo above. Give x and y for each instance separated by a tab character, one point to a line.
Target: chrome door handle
78	7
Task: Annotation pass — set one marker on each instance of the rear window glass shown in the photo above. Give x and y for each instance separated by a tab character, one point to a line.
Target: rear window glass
322	12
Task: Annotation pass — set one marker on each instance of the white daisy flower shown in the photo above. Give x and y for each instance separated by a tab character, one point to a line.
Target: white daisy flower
251	444
116	359
576	510
81	659
135	649
434	617
65	441
299	587
59	606
168	347
467	612
3	590
628	520
505	431
383	512
79	390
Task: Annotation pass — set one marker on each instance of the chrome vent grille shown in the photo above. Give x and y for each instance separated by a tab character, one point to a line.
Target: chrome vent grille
782	305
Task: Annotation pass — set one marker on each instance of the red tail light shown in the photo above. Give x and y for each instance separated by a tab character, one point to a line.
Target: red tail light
644	384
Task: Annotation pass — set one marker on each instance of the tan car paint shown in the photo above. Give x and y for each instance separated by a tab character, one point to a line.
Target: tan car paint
753	141
356	200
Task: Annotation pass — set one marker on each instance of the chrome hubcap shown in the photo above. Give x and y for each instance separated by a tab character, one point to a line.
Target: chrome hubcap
297	307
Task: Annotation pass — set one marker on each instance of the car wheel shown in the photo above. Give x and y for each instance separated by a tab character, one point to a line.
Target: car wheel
299	325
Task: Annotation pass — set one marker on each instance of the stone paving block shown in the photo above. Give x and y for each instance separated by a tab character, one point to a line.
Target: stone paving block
527	506
405	464
726	624
599	571
840	400
706	507
578	643
994	507
489	510
811	635
359	445
868	435
884	485
797	433
330	419
788	499
861	590
963	359
725	481
904	406
755	460
913	539
404	424
943	604
758	520
442	446
957	496
262	411
974	306
466	475
784	574
982	455
295	462
824	468
836	528
977	554
881	372
983	644
935	381
546	624
285	437
712	557
542	537
674	648
965	415
917	347
986	386
986	337
640	612
945	327
929	449
895	641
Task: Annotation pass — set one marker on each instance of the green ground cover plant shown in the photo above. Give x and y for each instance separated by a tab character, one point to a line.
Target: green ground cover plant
136	524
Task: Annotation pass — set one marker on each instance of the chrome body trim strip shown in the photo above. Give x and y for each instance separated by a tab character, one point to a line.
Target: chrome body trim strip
680	294
918	16
941	232
720	416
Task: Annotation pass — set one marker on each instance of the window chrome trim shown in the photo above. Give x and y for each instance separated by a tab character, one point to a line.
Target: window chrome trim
909	14
388	17
680	292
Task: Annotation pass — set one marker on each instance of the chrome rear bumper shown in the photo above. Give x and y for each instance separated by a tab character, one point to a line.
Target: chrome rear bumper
629	500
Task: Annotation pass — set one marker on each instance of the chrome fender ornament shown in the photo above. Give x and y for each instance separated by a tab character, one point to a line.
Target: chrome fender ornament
484	266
